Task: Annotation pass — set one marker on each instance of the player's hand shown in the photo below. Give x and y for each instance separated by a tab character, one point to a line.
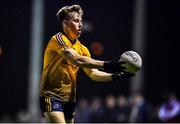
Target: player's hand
122	75
114	66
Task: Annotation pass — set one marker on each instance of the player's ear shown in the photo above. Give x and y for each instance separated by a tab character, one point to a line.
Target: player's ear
65	24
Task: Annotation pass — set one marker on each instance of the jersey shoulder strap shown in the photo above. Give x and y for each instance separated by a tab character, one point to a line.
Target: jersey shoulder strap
60	40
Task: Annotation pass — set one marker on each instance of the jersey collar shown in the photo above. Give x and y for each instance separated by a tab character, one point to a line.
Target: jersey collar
73	42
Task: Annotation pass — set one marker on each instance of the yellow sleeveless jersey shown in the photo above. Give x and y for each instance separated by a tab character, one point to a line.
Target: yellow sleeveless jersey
59	75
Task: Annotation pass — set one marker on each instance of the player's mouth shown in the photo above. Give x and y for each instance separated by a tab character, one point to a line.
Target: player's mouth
80	30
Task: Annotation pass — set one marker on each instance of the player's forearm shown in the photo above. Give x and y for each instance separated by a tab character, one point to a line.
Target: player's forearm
86	62
100	76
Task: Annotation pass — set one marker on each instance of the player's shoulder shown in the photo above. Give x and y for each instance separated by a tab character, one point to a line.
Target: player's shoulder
52	38
53	42
57	36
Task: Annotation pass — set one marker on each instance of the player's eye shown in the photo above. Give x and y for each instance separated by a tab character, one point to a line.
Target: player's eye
76	20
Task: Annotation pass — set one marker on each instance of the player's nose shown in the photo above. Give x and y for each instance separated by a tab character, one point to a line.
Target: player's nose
80	25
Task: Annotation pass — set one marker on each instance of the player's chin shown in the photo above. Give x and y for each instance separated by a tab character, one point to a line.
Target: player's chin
78	33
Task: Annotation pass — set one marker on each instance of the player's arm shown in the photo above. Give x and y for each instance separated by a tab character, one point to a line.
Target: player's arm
86	62
101	76
91	66
96	75
81	61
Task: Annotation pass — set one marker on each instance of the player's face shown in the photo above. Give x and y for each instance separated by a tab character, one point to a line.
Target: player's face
74	25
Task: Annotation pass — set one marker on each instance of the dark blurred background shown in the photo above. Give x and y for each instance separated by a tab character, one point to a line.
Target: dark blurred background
110	26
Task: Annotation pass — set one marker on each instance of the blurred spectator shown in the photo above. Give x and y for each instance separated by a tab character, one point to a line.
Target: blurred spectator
23	116
97	110
122	109
140	109
82	112
170	110
110	112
